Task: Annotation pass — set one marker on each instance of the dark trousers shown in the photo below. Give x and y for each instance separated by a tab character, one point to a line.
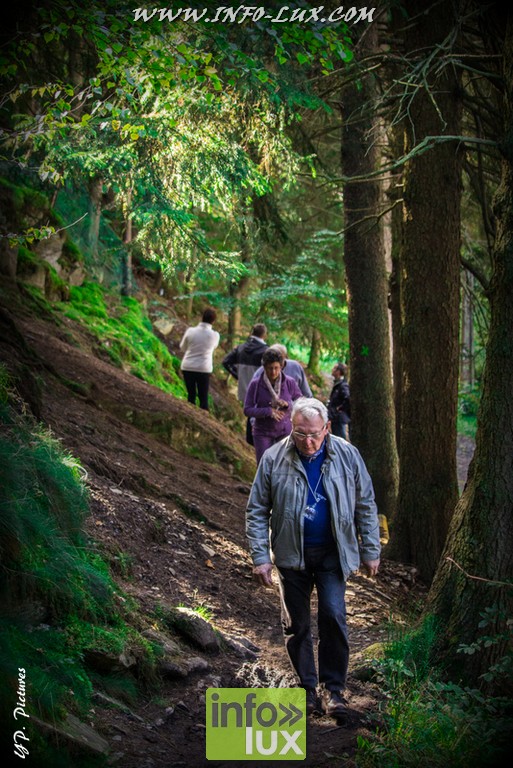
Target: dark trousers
322	570
197	384
249	432
339	427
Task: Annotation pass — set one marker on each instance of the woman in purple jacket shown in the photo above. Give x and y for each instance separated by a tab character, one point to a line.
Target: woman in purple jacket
268	402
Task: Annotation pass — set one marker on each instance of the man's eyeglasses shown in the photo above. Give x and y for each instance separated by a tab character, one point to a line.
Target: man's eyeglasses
311	436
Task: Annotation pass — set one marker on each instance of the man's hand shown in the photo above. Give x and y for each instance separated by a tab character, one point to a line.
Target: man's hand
371	567
264	574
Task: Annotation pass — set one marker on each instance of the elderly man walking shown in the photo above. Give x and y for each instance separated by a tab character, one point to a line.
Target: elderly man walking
312	513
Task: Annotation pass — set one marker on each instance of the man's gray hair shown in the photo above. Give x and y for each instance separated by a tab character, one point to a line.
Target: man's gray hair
281	348
310	408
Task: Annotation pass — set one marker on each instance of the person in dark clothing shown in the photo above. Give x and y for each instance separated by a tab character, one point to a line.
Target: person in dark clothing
243	361
339	404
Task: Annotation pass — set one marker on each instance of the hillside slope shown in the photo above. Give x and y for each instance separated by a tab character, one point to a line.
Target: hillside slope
168	486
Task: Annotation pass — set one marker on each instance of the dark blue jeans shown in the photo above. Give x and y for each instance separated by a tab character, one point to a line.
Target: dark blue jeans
322	570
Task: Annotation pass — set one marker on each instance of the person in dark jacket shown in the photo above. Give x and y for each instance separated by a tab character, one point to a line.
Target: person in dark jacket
269	401
339	404
243	361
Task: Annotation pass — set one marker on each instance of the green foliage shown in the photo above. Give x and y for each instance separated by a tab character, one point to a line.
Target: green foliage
58	681
468	405
43	510
124	334
407	655
429	722
497	627
304	295
469	402
199	605
179	120
57	599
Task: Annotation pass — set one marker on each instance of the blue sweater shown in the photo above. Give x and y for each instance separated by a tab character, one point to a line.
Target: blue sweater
317	522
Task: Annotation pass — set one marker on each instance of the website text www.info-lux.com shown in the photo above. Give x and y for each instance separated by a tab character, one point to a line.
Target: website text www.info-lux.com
238	15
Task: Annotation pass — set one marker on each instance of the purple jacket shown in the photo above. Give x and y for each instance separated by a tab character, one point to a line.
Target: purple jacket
257	405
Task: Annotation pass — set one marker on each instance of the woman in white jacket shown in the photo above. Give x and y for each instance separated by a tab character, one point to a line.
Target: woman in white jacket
198	344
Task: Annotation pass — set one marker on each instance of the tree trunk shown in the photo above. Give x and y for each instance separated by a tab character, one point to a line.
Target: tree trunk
95	212
238	289
481	535
428	489
372	410
394	193
236	292
314	358
126	263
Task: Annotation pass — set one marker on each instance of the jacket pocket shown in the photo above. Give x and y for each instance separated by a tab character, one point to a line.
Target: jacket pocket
284	542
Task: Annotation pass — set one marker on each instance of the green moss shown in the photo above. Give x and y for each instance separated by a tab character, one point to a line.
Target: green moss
124	334
27	264
24	197
27	260
57	598
35	298
71	254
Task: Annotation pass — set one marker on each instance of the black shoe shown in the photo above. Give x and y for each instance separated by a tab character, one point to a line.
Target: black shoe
335	705
311	701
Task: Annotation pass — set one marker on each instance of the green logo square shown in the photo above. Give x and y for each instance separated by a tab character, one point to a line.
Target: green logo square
256	724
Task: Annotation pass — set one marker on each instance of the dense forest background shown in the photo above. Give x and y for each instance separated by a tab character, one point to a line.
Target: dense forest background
344	177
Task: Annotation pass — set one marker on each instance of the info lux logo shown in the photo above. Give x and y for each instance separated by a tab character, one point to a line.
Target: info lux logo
256	724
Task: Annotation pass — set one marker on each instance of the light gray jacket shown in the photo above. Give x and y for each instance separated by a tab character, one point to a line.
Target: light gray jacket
278	499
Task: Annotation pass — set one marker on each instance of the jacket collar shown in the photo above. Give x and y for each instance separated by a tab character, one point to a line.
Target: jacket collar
291	447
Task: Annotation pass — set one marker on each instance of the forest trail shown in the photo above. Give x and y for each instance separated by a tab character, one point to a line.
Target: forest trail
172	526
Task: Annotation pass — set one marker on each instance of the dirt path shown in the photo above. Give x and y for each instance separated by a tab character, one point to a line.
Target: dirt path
172	527
169	728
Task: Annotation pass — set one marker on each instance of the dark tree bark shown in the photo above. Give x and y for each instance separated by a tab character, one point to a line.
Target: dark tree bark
476	569
372	410
394	193
428	488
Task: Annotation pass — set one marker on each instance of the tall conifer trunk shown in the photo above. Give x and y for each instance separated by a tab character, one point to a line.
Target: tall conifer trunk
430	270
372	410
476	569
